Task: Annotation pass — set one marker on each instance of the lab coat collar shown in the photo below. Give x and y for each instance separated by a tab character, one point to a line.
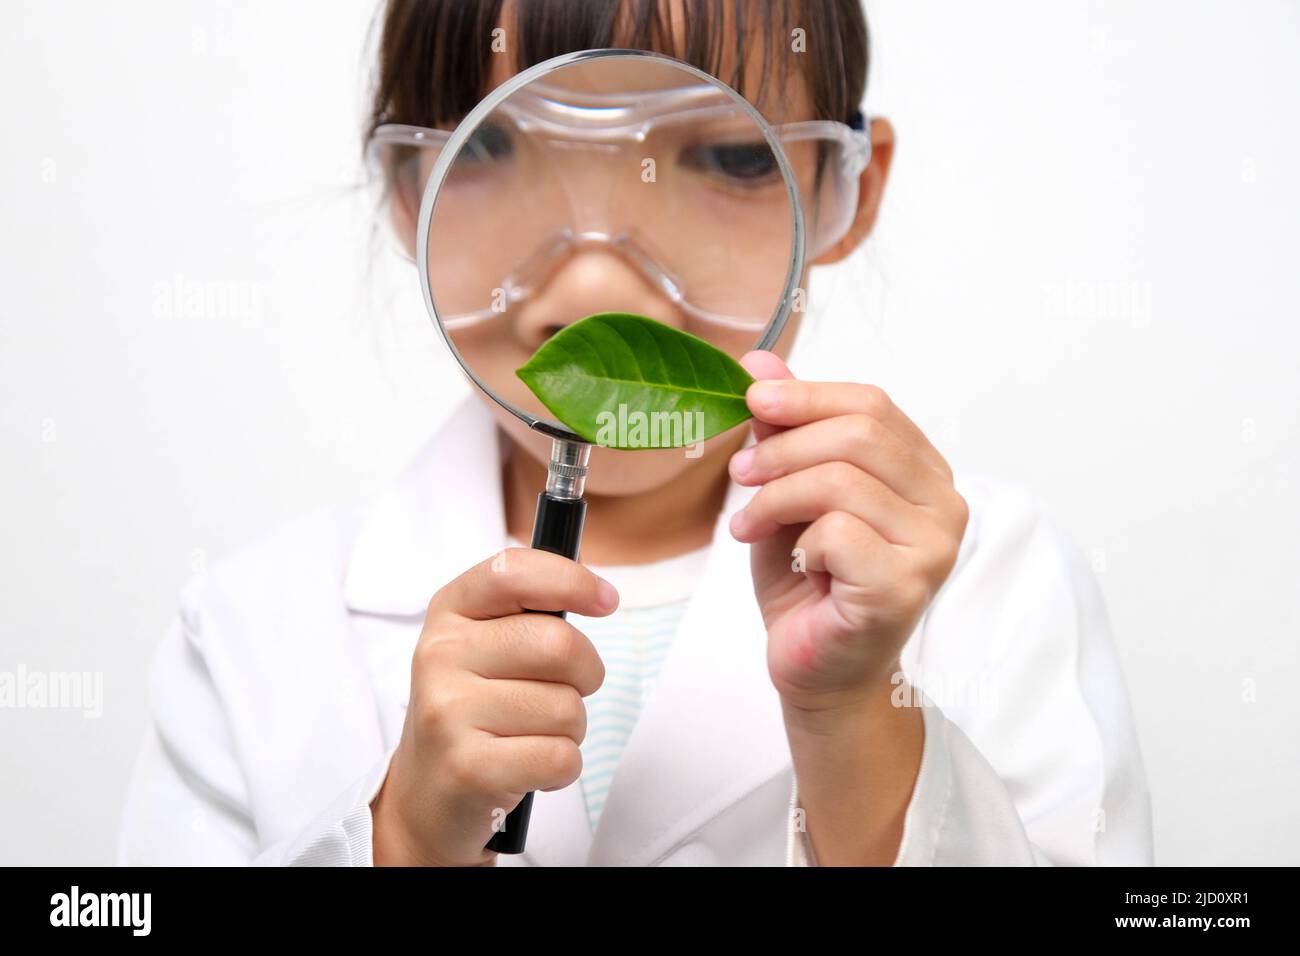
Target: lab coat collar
440	517
710	732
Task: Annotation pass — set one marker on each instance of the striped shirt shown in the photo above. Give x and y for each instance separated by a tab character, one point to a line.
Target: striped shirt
633	643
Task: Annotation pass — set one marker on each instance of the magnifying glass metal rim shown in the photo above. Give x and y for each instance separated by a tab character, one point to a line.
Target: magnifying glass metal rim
442	166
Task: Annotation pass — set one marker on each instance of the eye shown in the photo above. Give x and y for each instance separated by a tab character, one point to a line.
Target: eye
746	164
490	142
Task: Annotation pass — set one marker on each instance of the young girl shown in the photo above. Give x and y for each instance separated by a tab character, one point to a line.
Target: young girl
365	688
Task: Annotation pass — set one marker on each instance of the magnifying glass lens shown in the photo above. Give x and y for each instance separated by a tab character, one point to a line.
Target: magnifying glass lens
608	184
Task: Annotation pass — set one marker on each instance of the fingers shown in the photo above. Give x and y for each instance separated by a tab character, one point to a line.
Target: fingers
812	492
518	579
873	584
856	556
530	647
522	708
765	365
517	765
856	439
791	402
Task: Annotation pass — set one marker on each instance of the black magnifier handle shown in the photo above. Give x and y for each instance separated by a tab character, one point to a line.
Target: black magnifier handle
557	527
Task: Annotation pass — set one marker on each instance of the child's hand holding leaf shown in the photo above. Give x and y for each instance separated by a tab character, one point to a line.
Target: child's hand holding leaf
853	493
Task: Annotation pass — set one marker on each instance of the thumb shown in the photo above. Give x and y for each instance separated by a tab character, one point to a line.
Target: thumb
764	365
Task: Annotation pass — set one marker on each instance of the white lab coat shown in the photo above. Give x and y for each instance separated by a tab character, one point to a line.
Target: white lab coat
278	694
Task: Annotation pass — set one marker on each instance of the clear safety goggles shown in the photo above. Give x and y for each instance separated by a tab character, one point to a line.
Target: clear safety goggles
680	182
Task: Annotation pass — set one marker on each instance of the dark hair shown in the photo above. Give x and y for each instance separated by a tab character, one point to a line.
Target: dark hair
435	55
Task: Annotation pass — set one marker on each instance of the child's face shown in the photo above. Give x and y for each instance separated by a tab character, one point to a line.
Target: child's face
568	292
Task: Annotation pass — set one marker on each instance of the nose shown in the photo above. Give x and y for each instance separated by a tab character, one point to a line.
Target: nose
589	281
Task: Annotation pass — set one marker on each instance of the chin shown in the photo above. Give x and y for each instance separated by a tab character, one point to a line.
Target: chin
616	473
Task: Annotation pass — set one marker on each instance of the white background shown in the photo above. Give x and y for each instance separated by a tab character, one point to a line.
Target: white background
1084	279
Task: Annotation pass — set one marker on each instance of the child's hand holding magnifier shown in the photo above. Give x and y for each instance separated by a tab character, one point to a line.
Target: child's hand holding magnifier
855	526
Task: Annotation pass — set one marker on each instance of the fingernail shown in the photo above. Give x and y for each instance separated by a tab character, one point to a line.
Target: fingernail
742	461
765	396
737	521
607	594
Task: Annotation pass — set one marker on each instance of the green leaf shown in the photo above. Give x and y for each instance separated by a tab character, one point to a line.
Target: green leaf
626	381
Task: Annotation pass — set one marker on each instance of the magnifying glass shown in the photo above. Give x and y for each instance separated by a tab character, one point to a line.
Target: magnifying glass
597	181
